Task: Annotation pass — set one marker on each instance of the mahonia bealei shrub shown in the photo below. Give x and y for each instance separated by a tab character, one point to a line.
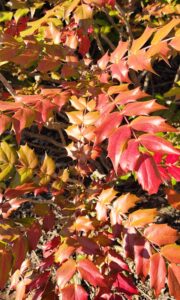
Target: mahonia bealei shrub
82	61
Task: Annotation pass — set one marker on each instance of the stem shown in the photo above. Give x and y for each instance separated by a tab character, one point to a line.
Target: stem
128	27
108	41
8	86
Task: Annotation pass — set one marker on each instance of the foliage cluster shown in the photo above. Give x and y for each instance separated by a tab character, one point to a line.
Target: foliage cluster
84	70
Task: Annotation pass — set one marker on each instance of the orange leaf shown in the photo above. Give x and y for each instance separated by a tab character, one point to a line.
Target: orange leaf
20	290
140	62
63	253
172	253
107	195
74	292
138	43
175	43
157	273
5	122
164	31
161	234
119	52
142	217
82	223
173	198
103	61
65	273
123	203
174	281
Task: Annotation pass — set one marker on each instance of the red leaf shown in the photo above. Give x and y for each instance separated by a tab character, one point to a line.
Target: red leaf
120	71
158	144
5	266
148	174
116	262
161	234
151	125
174	281
125	285
49	221
25	117
50	246
46	263
174	171
19	250
138	249
84	45
142	108
107	126
142	252
74	292
130	96
19	190
11	205
57	96
45	108
39	284
130	156
33	235
117	143
87	245
157	273
90	273
65	273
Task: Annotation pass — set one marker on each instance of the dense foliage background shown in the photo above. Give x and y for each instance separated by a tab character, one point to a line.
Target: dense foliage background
89	150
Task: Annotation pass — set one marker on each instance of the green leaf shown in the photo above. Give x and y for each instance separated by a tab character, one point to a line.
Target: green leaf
27	157
7	154
20	13
5	16
6	172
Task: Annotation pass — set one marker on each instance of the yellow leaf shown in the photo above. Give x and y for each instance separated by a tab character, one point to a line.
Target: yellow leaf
27	157
48	166
164	31
138	43
83	12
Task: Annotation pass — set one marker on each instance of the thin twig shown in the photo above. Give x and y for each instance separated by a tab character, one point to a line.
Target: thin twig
43	138
128	27
176	78
110	19
8	86
100	47
144	294
108	41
